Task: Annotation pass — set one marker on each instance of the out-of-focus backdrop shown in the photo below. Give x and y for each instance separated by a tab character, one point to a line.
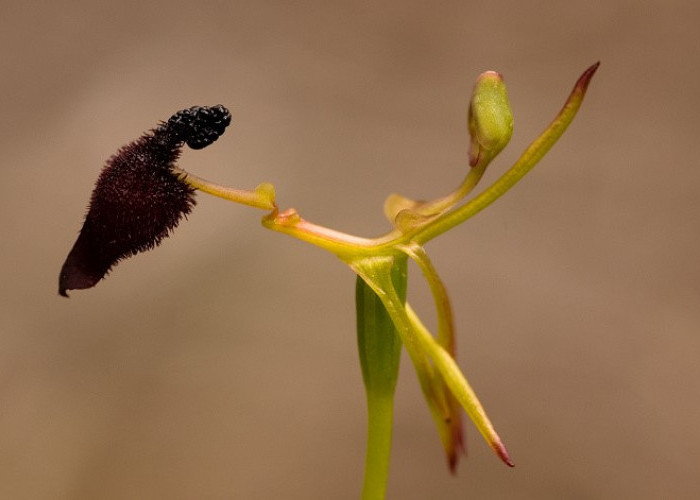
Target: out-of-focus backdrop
224	366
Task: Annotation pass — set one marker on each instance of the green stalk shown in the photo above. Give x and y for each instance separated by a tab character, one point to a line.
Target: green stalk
380	352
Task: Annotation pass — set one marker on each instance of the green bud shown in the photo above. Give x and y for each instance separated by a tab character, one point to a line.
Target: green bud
490	118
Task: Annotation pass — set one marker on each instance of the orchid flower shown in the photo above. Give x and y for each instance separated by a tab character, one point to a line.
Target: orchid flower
141	195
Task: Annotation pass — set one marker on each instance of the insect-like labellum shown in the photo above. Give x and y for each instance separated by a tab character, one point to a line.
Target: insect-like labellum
138	200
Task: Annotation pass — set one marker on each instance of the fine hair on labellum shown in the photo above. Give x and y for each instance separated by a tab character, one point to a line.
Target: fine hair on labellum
138	200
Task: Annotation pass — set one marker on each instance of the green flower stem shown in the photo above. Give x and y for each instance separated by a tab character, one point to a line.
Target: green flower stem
470	181
395	203
380	353
380	421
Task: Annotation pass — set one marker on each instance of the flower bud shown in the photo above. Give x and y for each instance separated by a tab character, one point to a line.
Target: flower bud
490	118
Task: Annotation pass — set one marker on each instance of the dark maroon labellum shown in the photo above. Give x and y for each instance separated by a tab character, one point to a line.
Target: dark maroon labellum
137	200
199	126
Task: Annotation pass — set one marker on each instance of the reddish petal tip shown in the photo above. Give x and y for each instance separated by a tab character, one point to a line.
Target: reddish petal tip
585	78
502	454
452	461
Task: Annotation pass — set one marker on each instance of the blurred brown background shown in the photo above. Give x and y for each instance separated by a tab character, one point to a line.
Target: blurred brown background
223	365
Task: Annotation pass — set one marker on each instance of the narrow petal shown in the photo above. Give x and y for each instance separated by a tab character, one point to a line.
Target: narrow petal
450	425
419	343
459	386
